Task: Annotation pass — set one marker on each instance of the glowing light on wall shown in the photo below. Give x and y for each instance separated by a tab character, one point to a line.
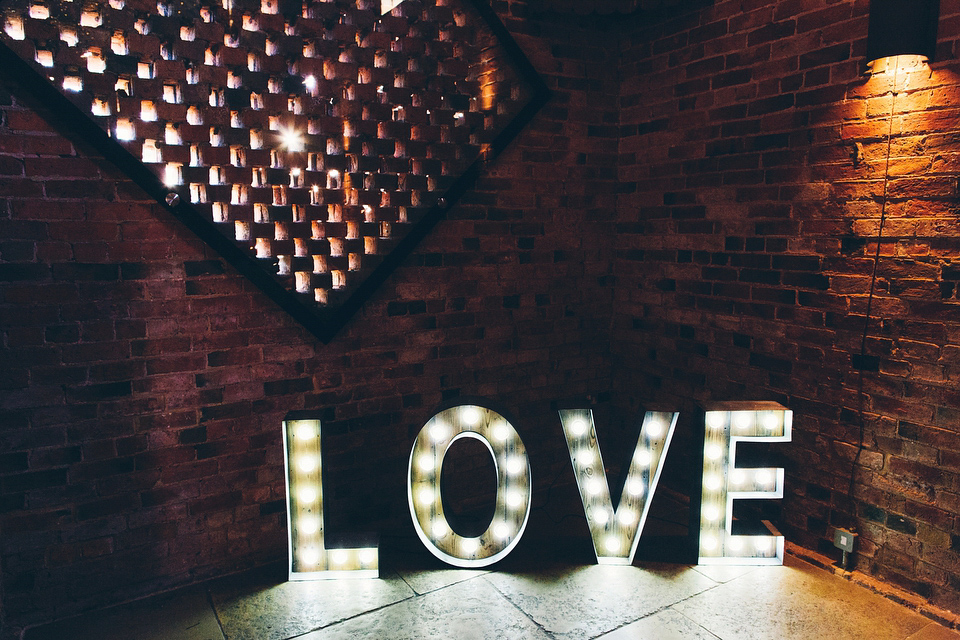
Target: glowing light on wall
308	558
514	486
726	426
616	532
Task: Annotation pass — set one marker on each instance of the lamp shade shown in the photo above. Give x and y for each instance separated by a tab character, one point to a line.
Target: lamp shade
902	27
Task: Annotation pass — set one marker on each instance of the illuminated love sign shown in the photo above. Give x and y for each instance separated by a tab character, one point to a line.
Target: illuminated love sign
615	531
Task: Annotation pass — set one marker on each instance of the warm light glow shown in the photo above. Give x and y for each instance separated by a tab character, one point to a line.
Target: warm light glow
615	533
578	426
612	544
310	556
715	419
600	515
307	463
470	416
305	431
439	431
594	486
426	462
897	64
514	490
292	139
643	457
308	525
426	495
723	482
309	559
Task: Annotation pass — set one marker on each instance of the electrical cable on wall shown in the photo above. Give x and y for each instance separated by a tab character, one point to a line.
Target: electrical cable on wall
870	295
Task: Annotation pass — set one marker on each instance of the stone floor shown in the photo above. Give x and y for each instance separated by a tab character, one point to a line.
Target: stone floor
418	598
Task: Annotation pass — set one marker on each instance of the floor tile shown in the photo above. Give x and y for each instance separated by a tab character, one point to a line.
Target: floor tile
182	615
470	610
723	572
934	631
426	580
798	601
265	609
586	601
665	625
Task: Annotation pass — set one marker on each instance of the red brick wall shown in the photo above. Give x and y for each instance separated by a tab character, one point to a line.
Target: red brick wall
701	157
745	246
144	382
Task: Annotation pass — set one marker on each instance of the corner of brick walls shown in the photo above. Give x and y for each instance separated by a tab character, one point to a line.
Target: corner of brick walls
144	381
752	161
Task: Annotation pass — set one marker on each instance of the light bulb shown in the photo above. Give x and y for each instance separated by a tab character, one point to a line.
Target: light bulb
654	428
635	487
439	431
626	517
307	495
425	495
612	544
426	462
742	419
771	421
578	426
309	556
713	451
762	544
594	486
367	556
711	512
734	543
470	416
307	463
600	515
305	431
737	477
439	528
586	457
501	431
764	477
515	465
514	499
715	419
501	530
339	556
643	457
709	543
308	525
469	545
712	482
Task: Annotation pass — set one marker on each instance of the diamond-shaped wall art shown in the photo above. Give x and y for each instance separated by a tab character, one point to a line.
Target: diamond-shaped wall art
312	144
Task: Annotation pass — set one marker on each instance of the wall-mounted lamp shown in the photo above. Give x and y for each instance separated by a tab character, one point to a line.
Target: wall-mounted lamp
902	27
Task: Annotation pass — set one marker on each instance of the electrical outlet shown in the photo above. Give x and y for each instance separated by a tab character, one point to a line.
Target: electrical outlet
843	539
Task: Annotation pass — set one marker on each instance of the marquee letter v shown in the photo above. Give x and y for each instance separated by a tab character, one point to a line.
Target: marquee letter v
616	532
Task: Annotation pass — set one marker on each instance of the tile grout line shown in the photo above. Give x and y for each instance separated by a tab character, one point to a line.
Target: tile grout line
216	614
517	607
668	606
